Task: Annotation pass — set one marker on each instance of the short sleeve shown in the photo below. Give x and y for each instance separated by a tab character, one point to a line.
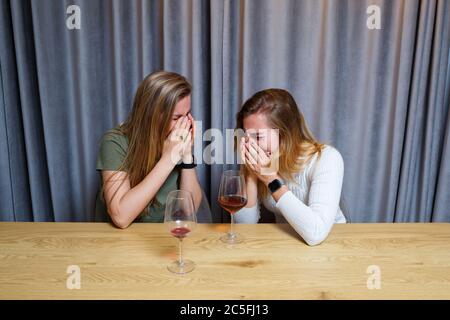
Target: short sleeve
112	152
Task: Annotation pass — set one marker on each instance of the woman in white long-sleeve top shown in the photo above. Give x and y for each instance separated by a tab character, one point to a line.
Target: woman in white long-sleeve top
287	169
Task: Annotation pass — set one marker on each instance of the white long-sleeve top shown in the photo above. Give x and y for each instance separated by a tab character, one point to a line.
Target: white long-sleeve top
311	206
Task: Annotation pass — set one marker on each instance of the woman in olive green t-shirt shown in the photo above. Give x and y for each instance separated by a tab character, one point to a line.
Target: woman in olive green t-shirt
138	159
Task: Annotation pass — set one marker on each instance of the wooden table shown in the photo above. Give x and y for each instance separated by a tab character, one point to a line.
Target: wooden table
273	262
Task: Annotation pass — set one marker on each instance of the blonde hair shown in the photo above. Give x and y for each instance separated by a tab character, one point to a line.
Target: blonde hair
297	144
148	123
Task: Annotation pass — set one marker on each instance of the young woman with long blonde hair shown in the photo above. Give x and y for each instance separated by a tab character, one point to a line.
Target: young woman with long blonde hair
287	169
140	159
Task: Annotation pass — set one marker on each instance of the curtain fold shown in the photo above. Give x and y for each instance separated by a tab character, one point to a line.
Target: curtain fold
381	97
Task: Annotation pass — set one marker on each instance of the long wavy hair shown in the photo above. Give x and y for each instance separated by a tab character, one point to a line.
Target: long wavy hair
297	145
148	123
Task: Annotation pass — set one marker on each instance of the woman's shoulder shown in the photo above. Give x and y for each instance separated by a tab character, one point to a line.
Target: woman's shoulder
329	156
330	153
114	135
113	141
113	149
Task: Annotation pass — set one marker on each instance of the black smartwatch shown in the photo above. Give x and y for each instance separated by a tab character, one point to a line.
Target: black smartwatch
274	185
191	165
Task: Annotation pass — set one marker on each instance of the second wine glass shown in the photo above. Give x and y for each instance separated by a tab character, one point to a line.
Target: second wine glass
232	198
181	220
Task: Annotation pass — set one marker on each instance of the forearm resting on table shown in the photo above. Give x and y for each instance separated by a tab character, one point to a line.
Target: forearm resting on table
313	222
124	203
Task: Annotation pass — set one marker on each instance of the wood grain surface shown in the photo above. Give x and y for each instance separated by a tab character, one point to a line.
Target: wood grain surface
272	263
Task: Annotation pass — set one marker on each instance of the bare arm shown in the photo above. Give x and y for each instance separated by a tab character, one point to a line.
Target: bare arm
124	203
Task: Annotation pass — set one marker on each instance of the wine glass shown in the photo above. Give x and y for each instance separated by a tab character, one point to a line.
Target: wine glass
180	219
232	198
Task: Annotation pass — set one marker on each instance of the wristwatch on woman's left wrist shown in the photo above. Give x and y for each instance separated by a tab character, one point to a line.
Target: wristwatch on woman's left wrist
275	185
191	165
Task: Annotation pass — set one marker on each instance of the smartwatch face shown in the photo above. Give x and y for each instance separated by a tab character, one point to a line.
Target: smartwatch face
275	185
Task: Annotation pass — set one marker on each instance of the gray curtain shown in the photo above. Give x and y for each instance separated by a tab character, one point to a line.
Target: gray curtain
381	97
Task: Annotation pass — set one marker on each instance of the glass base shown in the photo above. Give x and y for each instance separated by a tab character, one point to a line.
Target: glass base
232	238
185	267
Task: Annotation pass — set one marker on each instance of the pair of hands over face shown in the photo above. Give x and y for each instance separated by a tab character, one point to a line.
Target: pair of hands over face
259	164
179	142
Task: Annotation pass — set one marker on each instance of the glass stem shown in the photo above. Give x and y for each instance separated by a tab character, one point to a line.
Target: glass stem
180	261
232	226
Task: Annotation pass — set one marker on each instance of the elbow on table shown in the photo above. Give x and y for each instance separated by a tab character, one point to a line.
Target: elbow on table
314	240
118	221
121	225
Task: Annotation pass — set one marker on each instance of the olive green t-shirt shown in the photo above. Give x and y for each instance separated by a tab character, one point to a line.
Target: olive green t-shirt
113	149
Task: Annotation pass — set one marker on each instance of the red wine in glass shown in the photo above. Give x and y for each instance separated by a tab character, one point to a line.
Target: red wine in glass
180	232
232	197
232	203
